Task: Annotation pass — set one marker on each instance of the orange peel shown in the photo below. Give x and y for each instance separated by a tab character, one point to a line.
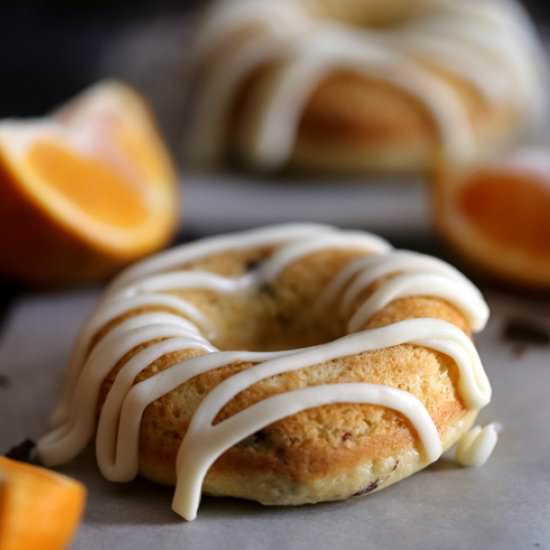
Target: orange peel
85	190
497	216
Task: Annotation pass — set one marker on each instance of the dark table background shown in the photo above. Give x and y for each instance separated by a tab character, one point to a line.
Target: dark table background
50	49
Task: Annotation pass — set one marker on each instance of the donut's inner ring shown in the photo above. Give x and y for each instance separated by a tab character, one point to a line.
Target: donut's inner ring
282	314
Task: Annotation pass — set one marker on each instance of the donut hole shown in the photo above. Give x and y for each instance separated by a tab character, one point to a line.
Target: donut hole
285	313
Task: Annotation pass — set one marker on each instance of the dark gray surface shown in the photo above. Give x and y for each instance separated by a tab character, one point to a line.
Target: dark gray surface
505	504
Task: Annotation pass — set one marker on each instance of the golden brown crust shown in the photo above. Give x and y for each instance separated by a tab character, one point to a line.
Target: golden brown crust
374	120
353	122
325	453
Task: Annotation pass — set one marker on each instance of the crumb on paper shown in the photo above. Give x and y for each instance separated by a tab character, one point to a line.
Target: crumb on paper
5	382
525	333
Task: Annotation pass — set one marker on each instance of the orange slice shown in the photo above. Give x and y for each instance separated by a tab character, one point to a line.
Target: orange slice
497	215
85	190
38	508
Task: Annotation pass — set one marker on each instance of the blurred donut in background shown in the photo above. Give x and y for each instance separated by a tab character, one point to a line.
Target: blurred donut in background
85	190
496	215
372	13
356	87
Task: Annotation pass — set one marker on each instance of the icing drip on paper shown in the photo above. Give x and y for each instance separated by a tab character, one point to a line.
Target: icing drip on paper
476	446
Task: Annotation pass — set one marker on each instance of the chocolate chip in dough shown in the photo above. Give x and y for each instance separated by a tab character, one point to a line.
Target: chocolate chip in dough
252	265
368	489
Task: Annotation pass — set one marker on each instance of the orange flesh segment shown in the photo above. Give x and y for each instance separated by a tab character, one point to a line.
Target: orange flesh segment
99	191
509	208
39	508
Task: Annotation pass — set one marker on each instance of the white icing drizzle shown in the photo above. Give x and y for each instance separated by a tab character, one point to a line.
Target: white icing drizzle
476	446
182	280
488	43
420	284
103	316
272	127
192	472
212	106
273	267
417	274
267	236
367	270
184	328
117	302
68	439
284	16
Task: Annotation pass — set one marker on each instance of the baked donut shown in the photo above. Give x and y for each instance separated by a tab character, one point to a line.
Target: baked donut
358	86
358	370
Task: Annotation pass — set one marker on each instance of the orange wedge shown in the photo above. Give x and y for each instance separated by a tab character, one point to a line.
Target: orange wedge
38	508
85	190
497	216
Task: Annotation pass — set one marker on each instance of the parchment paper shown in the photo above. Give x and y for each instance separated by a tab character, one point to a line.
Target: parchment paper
505	504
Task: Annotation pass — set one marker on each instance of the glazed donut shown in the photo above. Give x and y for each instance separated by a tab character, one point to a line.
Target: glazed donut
359	86
288	365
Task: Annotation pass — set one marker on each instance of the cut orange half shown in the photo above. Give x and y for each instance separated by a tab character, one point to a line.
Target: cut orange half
38	508
497	216
85	190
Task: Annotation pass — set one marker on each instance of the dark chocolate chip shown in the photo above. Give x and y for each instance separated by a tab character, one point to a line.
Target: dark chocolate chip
5	382
266	288
256	438
518	350
252	265
283	318
523	333
282	455
260	436
23	452
346	436
368	489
